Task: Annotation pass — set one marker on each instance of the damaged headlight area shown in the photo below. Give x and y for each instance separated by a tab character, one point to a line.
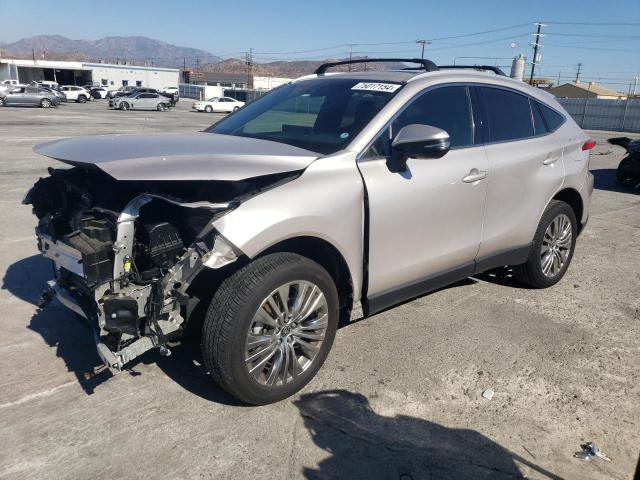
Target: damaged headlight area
125	253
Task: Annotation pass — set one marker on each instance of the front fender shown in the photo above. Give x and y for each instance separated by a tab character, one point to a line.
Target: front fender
326	201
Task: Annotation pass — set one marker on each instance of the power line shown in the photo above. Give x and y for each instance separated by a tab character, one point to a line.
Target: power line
629	24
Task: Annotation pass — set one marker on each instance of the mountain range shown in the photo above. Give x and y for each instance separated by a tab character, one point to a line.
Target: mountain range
138	50
142	50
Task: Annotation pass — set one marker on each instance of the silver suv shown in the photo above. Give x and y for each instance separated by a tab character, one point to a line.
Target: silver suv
333	190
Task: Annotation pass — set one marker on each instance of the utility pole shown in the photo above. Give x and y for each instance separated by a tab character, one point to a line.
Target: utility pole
350	45
184	70
536	45
578	72
249	62
558	84
635	85
423	42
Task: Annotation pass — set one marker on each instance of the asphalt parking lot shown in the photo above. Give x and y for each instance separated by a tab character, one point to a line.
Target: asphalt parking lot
400	396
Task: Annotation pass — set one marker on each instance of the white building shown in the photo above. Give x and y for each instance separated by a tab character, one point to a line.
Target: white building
268	83
83	73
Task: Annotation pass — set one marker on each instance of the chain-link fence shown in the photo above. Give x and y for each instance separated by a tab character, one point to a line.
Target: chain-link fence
602	114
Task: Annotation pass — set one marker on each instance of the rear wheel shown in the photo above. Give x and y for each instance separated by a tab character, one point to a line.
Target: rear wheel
552	248
162	107
45	103
627	171
269	328
81	99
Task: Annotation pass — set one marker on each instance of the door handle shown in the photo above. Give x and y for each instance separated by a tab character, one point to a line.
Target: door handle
550	160
475	175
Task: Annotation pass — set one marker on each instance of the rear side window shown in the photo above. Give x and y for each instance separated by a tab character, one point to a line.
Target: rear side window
508	114
448	108
539	126
553	118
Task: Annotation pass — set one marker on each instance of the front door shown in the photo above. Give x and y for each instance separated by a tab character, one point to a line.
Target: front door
425	222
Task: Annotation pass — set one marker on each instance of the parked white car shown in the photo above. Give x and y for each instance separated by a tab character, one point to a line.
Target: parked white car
218	104
7	84
170	90
98	92
75	94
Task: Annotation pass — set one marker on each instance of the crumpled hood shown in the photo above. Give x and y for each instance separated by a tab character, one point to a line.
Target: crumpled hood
195	156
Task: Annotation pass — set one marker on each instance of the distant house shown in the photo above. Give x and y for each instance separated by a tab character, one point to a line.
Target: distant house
585	90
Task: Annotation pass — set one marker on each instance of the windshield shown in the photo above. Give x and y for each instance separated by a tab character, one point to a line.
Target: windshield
213	99
321	115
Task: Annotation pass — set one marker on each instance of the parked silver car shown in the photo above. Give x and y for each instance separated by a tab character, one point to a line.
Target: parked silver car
141	101
29	95
332	190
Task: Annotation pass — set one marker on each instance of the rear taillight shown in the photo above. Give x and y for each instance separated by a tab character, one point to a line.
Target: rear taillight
588	145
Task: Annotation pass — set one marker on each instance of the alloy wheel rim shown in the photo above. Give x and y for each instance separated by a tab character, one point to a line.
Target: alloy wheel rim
556	245
286	333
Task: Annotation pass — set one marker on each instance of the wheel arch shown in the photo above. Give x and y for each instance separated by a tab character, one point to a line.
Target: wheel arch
326	255
208	280
572	197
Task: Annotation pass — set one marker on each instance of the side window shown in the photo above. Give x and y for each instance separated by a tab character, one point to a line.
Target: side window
448	108
138	83
539	126
508	114
553	118
125	83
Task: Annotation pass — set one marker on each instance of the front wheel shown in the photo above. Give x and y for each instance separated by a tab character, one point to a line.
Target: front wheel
208	109
269	328
552	247
124	106
45	103
82	99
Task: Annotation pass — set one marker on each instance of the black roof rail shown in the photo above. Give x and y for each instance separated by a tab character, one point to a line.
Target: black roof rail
496	70
428	65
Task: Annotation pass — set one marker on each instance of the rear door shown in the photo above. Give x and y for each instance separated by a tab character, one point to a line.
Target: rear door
425	222
525	171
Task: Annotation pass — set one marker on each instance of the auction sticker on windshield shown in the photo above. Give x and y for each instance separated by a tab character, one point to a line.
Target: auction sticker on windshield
376	87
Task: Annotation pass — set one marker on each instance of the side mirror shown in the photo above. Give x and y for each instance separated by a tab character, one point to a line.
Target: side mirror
421	141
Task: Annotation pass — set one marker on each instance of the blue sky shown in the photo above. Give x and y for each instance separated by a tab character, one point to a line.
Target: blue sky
609	53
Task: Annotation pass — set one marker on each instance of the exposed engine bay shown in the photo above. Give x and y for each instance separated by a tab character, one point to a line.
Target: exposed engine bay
126	252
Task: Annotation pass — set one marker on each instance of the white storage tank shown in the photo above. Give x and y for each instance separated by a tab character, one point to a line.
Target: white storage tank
517	67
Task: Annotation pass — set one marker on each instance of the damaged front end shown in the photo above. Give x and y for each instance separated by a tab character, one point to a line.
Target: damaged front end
126	252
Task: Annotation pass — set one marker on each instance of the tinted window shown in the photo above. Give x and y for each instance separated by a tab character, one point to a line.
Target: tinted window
539	126
447	108
321	115
508	114
553	118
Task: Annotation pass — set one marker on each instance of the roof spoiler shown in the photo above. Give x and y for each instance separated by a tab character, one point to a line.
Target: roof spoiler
489	68
427	65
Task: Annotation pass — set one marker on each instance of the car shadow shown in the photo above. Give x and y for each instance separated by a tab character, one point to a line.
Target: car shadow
605	179
72	338
502	276
363	444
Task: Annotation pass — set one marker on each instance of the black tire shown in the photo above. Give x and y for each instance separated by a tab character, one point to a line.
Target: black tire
530	273
230	315
81	99
45	103
236	109
124	106
208	109
628	172
2	102
161	107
